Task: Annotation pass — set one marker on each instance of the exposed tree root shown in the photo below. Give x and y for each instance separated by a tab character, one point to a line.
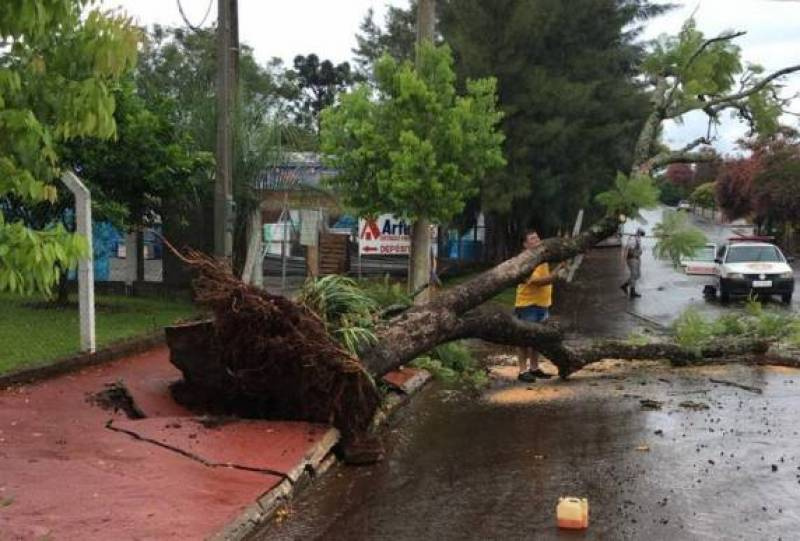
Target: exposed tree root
275	355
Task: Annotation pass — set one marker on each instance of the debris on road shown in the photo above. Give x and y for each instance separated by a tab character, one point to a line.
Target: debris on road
750	388
695	406
648	404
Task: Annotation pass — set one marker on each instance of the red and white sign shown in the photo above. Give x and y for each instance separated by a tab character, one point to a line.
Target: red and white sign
385	235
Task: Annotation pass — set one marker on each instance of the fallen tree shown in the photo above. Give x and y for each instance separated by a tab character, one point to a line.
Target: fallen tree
278	357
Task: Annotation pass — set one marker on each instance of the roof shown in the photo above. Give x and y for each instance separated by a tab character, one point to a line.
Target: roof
298	171
751	243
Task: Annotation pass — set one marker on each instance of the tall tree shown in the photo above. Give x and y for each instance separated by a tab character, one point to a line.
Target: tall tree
734	187
318	83
57	72
397	39
776	184
572	107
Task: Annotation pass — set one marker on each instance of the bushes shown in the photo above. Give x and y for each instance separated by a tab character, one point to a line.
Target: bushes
346	310
453	362
350	310
693	331
385	292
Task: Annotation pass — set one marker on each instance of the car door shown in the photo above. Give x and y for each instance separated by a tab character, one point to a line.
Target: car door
721	253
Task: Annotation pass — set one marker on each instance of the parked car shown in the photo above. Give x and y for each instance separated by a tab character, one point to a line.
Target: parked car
749	266
683	204
702	261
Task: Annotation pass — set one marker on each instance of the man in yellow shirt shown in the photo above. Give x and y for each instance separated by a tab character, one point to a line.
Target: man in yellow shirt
533	301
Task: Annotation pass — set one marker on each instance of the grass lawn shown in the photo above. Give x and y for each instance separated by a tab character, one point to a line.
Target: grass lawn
32	333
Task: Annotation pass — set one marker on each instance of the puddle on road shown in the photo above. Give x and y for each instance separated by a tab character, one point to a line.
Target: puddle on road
529	394
475	468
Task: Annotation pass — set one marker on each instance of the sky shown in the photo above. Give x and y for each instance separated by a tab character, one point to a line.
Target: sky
285	28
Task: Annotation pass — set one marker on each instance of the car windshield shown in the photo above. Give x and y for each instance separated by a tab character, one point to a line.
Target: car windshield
706	253
744	254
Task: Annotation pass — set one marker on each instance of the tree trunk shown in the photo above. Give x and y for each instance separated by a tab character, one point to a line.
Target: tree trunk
420	262
62	294
423	327
140	254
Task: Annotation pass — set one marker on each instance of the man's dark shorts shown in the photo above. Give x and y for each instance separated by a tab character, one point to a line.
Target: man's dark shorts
532	313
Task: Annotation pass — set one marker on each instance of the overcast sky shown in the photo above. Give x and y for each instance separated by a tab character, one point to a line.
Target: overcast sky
285	28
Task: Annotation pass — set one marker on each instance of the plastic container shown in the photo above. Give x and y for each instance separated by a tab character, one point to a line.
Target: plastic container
573	513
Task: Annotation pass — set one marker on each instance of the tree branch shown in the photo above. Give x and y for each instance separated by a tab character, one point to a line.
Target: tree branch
487	284
684	155
697	53
708	42
500	327
715	105
423	327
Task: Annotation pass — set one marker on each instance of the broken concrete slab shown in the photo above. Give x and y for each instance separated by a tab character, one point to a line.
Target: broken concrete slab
406	379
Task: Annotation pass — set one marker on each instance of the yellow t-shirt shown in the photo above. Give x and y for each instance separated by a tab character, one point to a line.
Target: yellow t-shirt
528	294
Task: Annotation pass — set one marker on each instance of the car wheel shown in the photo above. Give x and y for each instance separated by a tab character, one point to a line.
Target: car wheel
786	298
724	295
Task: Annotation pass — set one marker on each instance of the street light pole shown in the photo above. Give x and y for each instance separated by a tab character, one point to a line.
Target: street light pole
227	53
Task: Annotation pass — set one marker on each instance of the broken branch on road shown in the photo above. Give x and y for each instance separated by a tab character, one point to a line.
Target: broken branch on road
750	388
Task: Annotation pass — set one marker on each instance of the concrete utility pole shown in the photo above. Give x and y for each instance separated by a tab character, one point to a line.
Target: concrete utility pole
227	60
83	226
420	263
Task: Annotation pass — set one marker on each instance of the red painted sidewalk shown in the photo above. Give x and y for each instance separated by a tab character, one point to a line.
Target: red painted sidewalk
65	475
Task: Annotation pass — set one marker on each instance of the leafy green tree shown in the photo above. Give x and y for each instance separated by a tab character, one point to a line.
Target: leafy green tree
690	72
57	73
669	194
148	163
703	196
629	195
176	77
676	237
412	146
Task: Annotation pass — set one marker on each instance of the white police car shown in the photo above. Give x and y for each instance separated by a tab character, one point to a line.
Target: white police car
702	261
749	266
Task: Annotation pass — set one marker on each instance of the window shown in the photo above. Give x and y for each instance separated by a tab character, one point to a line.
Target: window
743	254
706	253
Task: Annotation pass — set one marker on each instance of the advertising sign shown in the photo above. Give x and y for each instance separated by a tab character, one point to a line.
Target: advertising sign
385	235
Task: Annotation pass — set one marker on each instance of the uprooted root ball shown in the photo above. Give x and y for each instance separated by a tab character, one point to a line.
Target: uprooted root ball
278	352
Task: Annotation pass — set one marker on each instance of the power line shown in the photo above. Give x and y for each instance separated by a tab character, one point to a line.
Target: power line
186	19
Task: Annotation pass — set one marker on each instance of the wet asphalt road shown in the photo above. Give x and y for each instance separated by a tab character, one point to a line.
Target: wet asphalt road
711	461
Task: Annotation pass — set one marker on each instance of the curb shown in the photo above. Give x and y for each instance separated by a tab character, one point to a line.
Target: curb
73	363
255	515
261	511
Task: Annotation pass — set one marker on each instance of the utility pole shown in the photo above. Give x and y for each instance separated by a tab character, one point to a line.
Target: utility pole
420	260
227	60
